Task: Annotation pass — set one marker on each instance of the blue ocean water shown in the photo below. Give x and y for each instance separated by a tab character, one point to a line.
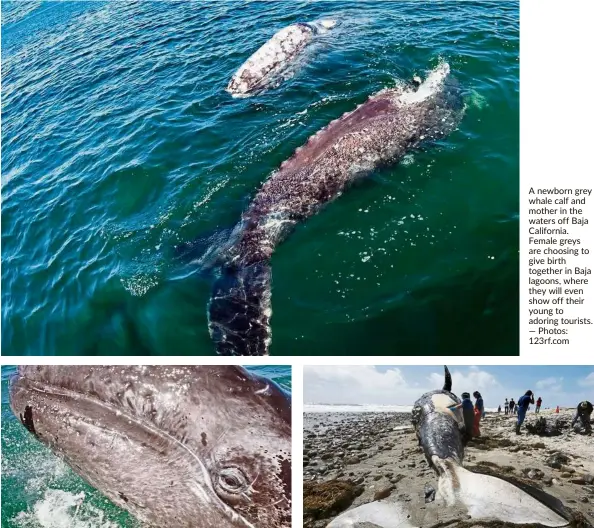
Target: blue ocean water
41	491
119	142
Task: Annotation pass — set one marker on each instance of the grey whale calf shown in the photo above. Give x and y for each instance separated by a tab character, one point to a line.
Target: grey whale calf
439	428
267	64
180	447
377	133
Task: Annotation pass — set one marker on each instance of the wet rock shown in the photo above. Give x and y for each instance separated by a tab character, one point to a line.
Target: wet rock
383	493
429	493
579	481
533	473
325	499
397	478
557	460
546	427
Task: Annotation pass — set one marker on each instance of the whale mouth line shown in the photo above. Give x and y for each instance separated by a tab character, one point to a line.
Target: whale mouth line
53	390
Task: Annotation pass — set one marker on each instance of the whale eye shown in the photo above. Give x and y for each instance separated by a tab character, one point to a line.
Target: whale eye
232	480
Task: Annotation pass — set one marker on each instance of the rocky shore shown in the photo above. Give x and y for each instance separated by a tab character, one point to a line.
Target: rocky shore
355	458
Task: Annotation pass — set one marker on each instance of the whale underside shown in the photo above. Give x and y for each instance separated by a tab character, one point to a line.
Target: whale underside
470	499
378	133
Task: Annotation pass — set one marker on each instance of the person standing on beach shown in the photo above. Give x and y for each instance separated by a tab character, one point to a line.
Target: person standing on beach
499	410
584	412
538	404
506	406
479	411
468	414
523	404
512	404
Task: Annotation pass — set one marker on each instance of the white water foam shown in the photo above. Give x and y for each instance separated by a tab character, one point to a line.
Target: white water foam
62	509
345	408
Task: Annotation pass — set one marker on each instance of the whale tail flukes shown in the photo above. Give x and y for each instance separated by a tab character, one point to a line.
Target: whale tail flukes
239	310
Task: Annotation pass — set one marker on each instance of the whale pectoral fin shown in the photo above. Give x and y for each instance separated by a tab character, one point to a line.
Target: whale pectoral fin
378	513
447	385
488	497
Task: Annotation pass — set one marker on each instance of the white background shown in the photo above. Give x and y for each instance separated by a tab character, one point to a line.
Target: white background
556	142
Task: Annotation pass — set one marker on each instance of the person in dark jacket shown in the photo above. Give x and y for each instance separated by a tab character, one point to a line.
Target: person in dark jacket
512	404
468	413
583	413
523	404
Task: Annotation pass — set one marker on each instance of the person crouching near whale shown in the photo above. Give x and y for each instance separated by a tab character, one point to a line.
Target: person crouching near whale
522	407
583	413
468	413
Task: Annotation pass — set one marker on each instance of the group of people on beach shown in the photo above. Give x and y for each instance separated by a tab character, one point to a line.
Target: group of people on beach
583	412
474	412
511	407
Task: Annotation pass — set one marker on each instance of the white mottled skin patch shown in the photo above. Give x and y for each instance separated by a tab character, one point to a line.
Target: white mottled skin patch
443	402
270	60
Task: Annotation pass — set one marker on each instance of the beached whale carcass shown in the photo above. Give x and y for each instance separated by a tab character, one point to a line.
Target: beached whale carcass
377	133
439	427
176	446
267	65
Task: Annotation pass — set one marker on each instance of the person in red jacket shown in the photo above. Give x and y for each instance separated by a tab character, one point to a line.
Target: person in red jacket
538	404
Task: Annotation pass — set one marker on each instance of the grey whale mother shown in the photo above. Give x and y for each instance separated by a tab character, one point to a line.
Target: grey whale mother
377	133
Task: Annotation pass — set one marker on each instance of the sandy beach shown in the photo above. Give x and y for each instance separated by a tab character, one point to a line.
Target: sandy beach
355	458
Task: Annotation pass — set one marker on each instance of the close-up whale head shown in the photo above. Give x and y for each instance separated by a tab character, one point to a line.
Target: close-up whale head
175	446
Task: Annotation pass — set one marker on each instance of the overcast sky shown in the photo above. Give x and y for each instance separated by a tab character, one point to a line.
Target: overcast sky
557	385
